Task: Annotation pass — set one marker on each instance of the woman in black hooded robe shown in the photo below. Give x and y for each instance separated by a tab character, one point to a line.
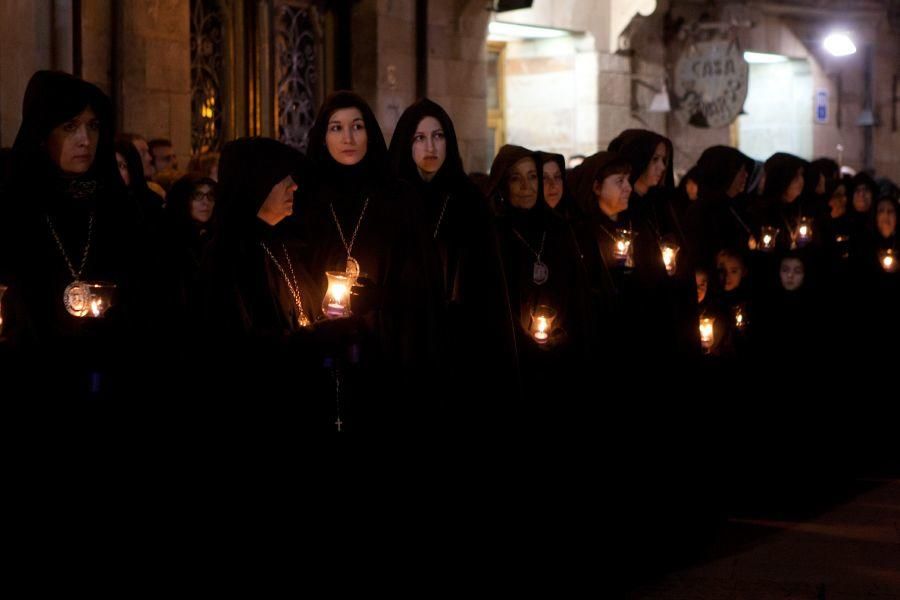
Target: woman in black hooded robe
556	191
541	267
720	218
475	325
66	217
259	296
190	226
360	218
651	206
669	299
782	204
608	276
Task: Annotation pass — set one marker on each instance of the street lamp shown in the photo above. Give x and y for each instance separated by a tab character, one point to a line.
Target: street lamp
839	44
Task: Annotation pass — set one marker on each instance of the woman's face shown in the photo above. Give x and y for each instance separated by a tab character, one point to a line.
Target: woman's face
122	165
739	183
692	189
203	201
886	218
522	184
613	193
702	280
791	273
553	183
862	198
429	147
280	201
838	202
655	171
346	137
731	271
795	188
73	144
820	186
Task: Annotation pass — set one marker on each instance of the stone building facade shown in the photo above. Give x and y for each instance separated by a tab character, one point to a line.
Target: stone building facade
200	72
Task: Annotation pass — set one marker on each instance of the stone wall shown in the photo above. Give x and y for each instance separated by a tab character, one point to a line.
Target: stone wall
96	46
25	47
457	73
384	65
154	71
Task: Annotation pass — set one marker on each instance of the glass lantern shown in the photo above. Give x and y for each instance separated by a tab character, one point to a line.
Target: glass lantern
542	319
336	303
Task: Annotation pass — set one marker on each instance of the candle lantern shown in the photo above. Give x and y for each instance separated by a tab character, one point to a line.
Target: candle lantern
767	238
670	256
100	298
336	303
707	333
888	260
804	231
842	242
542	323
740	317
623	248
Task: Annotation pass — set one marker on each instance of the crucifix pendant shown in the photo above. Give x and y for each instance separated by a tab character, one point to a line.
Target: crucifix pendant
541	273
352	267
339	424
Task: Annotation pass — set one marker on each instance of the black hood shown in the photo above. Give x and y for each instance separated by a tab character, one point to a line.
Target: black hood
374	165
51	99
717	167
638	146
781	168
508	156
451	172
596	166
134	164
249	168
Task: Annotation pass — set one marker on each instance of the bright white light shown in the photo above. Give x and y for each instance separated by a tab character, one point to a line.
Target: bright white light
760	58
839	44
506	31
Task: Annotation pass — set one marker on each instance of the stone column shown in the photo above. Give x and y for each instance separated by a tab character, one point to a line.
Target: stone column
25	47
153	74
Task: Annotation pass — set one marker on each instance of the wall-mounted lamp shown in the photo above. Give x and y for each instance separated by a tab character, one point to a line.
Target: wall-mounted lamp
839	44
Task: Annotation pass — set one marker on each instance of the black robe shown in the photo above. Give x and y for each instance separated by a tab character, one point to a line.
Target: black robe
671	299
398	310
74	357
552	371
474	325
715	221
268	366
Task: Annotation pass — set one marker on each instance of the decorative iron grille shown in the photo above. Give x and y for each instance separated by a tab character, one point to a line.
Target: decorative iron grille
207	75
297	72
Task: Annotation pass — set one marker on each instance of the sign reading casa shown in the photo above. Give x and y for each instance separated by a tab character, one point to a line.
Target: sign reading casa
710	84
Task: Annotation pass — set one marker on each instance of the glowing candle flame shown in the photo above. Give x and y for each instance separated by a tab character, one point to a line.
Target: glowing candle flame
706	332
888	260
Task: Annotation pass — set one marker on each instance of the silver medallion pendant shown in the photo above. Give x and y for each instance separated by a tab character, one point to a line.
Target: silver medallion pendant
541	273
352	267
76	299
